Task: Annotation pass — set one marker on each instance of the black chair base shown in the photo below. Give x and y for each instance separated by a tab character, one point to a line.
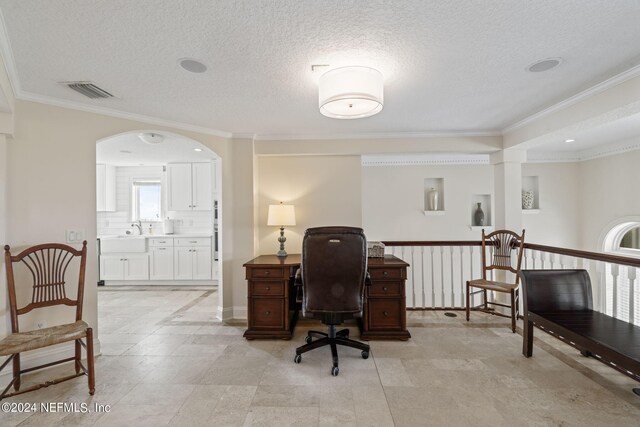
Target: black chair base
333	339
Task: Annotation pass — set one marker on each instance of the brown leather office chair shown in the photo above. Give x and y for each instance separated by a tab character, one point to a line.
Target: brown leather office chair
332	275
502	245
47	266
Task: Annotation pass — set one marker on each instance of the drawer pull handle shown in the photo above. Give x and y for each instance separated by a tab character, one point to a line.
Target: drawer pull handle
193	241
268	288
266	313
385	273
266	273
385	313
385	289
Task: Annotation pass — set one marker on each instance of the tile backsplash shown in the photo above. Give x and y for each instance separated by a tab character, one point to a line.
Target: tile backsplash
119	222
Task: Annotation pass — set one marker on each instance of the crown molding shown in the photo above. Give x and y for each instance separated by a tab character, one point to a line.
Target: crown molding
581	96
621	147
423	159
26	96
375	135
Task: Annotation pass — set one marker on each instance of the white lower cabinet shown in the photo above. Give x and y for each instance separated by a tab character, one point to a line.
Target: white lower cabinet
168	258
192	259
161	261
124	267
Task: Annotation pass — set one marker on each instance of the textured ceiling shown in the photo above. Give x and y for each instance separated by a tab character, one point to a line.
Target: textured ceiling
448	65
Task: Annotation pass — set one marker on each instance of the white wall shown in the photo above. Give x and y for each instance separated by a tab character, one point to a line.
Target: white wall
393	200
609	190
324	189
558	221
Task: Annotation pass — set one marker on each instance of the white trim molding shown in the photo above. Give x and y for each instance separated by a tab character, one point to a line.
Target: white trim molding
423	159
583	155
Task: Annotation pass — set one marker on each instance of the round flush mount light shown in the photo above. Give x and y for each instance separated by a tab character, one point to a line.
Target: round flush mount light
192	65
544	65
151	138
569	141
351	93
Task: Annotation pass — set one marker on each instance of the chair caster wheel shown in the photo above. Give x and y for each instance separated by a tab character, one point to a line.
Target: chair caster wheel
308	339
335	371
297	359
365	354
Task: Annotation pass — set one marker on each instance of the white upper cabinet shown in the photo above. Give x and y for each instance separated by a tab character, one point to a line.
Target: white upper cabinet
190	186
105	188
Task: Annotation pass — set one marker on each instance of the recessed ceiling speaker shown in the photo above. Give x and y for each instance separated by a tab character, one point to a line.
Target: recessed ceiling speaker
192	65
151	138
544	65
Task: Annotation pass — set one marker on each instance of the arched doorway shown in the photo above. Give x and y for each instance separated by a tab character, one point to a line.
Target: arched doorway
159	230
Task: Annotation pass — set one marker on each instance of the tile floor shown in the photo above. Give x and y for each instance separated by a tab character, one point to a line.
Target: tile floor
166	361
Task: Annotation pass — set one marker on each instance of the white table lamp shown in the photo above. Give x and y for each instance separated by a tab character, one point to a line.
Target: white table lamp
281	215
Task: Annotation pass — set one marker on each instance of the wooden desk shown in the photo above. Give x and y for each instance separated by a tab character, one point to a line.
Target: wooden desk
272	312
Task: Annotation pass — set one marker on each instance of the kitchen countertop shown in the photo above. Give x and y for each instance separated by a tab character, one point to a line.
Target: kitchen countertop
186	235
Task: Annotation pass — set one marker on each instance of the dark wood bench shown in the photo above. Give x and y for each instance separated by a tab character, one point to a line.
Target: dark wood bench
560	303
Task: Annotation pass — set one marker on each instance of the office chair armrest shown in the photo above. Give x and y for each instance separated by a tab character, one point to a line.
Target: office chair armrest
367	280
297	280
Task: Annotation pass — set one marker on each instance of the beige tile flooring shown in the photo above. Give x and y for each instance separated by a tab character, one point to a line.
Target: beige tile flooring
166	361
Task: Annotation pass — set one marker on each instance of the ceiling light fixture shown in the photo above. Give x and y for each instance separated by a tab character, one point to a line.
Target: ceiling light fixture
544	65
151	138
569	141
351	93
197	149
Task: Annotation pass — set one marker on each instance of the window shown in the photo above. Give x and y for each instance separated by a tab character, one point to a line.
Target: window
147	200
631	239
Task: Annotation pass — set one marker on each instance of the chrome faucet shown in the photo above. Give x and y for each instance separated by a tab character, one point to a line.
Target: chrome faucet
139	225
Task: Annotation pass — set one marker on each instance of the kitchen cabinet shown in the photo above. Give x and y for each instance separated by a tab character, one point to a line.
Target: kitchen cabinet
192	259
190	186
161	259
124	267
105	188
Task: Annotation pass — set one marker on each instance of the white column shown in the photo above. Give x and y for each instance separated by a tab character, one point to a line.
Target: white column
507	182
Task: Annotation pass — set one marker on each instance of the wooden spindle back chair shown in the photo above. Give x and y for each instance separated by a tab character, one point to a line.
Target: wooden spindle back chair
48	264
501	250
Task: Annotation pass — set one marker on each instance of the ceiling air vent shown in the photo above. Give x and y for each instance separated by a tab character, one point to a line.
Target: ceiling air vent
88	89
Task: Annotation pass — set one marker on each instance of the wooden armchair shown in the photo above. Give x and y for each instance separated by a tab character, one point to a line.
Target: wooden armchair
48	265
503	245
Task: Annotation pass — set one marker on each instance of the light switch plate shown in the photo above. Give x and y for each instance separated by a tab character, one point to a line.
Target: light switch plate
75	236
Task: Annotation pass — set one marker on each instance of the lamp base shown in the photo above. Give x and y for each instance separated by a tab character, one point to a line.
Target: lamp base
282	239
282	253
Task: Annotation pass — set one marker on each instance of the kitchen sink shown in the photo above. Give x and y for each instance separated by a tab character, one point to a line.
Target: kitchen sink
113	244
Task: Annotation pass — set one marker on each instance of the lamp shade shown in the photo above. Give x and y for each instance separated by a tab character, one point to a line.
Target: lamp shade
280	215
351	93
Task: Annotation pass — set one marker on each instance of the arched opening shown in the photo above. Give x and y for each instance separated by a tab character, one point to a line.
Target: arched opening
622	297
159	225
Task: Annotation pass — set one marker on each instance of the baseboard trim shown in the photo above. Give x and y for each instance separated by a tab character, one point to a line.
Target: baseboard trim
240	312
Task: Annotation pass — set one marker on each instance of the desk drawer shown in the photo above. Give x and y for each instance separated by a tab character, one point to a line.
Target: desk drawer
193	241
265	273
266	288
267	313
385	289
385	314
386	273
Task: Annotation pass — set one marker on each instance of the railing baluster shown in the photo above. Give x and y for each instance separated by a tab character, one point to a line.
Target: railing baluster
614	289
424	297
433	283
413	279
441	276
453	299
472	302
461	276
631	275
